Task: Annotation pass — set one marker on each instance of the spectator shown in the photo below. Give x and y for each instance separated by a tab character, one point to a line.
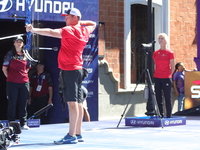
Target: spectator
178	83
163	69
41	92
86	115
15	68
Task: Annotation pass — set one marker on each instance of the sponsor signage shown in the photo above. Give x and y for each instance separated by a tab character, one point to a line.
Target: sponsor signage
90	62
30	122
192	89
154	122
48	10
33	123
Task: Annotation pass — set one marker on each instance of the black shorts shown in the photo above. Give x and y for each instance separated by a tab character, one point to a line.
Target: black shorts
72	81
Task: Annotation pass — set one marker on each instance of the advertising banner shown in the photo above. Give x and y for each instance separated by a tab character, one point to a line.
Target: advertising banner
48	13
192	89
48	10
90	59
154	121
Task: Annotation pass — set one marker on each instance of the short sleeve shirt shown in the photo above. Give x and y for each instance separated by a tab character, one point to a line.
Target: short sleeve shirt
179	78
74	39
162	62
44	80
17	68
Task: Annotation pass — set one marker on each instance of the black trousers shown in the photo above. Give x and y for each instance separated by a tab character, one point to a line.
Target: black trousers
17	94
163	86
38	103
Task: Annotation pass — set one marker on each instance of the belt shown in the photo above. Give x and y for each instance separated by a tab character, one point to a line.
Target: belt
41	96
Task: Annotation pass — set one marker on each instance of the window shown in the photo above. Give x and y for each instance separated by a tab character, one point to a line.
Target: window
134	61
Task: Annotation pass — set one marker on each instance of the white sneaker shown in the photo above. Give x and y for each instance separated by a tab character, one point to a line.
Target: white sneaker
24	127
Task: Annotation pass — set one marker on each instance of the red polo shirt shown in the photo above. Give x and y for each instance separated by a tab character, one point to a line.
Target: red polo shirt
74	39
162	62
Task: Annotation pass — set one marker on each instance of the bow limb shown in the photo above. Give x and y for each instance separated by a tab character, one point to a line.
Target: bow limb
28	20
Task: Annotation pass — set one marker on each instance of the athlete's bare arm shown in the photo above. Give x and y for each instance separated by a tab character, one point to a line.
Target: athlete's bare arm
44	31
89	23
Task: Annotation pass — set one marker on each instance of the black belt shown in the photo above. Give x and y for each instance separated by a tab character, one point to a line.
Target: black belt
41	96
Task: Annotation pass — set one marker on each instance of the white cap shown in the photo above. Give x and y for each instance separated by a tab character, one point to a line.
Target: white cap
72	11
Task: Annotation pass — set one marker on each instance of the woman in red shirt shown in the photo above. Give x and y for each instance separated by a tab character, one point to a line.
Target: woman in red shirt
163	69
15	68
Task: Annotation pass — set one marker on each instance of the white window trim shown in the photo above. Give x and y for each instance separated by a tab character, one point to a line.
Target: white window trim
162	20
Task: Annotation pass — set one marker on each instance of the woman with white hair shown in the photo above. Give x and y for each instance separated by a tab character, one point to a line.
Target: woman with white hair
163	69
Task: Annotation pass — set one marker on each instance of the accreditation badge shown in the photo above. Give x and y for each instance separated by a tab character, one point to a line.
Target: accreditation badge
39	87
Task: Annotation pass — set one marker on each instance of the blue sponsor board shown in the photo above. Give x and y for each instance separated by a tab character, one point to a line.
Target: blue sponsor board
48	13
90	62
49	10
33	123
30	122
154	121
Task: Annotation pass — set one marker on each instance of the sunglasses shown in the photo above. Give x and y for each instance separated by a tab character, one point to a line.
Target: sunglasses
68	11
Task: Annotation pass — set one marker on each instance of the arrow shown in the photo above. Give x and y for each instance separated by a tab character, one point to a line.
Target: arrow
45	48
15	17
12	36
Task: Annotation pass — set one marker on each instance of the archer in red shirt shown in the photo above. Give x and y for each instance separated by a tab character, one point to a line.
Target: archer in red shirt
74	37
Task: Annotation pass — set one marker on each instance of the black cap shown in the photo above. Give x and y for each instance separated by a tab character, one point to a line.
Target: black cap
18	38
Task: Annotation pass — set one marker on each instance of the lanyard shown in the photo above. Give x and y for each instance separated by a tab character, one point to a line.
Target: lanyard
40	79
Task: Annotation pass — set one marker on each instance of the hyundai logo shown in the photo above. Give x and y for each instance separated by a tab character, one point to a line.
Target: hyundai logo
5	5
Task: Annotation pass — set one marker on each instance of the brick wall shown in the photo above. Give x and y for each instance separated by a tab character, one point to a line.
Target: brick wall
183	31
111	12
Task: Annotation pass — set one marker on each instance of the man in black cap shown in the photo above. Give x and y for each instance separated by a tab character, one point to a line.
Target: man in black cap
41	92
74	37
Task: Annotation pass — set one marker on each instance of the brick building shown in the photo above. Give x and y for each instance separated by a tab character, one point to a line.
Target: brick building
180	19
123	28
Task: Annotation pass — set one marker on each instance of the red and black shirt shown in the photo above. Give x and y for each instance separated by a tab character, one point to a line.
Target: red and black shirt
18	66
44	80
